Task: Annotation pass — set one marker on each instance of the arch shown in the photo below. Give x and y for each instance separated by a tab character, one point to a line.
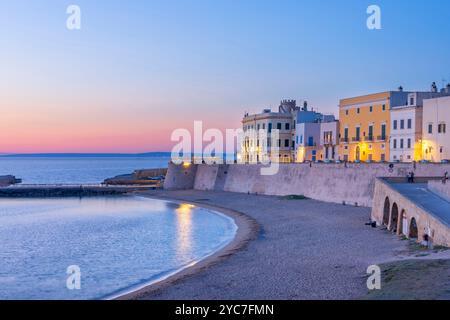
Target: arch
413	230
393	226
386	212
358	153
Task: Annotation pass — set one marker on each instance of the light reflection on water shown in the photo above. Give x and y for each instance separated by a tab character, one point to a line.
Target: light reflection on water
118	242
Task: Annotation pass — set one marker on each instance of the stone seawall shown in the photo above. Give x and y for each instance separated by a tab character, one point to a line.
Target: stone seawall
351	183
66	191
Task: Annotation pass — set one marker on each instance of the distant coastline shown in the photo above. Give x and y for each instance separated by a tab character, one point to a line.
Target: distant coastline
86	155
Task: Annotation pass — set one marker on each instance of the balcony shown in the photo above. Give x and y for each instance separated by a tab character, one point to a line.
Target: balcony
356	139
382	138
345	140
368	138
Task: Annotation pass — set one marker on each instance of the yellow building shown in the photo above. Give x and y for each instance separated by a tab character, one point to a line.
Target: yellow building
365	126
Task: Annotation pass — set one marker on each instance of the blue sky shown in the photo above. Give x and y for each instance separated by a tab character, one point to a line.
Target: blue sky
163	64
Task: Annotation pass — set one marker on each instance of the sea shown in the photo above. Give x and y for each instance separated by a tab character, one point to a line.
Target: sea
77	168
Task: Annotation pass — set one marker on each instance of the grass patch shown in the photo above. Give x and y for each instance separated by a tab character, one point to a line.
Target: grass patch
295	197
413	279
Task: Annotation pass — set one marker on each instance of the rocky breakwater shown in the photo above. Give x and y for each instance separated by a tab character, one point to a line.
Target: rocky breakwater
145	177
6	181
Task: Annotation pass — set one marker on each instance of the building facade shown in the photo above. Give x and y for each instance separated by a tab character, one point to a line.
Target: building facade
299	135
259	140
407	126
436	137
364	126
329	141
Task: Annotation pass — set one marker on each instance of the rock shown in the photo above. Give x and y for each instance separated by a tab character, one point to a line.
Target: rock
6	181
151	177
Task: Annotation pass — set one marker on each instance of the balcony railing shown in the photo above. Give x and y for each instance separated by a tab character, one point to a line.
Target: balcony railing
382	138
356	139
345	140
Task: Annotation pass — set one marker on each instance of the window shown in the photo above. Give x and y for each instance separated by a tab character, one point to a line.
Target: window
441	128
311	141
441	149
301	139
430	128
264	126
279	143
409	143
401	143
409	123
383	131
371	132
402	124
259	127
270	128
346	112
296	139
279	126
395	125
395	143
346	134
286	143
358	110
287	126
358	133
384	107
371	108
411	101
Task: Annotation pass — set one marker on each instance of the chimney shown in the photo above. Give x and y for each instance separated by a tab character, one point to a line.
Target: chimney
434	87
400	89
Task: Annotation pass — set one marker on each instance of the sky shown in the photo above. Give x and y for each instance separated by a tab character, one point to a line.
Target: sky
139	69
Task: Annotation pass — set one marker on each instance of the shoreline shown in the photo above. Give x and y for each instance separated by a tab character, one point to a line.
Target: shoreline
247	230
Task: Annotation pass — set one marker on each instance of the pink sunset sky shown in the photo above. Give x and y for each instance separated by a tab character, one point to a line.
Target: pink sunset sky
137	70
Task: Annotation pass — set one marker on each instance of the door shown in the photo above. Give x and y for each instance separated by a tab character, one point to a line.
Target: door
358	154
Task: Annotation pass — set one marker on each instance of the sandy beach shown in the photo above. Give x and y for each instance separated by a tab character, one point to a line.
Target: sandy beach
284	249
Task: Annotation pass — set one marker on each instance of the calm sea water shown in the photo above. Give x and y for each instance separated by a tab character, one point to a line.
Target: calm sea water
75	170
117	242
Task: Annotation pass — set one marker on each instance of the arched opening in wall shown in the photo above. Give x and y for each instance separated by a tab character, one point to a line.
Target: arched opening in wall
413	230
394	218
387	209
403	225
358	153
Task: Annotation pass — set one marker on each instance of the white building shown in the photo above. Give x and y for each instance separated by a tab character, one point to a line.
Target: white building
329	140
436	137
258	146
406	126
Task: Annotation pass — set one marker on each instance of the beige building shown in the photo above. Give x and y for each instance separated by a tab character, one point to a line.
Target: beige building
436	135
268	136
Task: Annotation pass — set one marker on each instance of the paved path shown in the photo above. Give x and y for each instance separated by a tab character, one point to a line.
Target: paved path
306	249
431	202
